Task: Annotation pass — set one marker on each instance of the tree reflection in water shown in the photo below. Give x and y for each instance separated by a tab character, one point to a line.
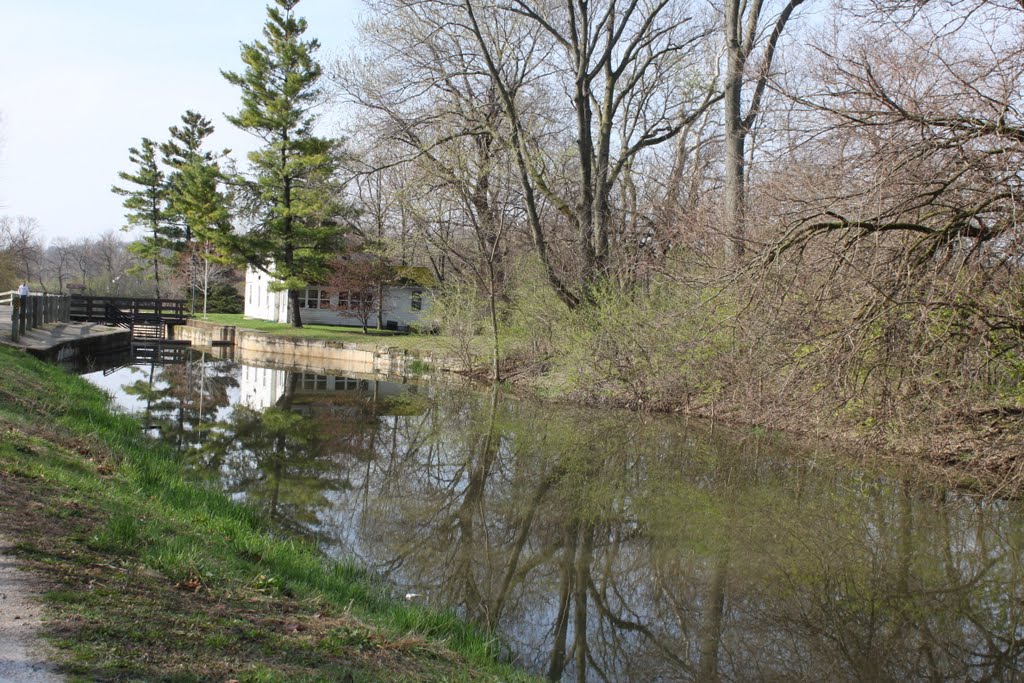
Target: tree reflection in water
182	399
609	546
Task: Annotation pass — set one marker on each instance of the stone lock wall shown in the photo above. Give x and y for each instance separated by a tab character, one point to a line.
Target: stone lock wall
203	333
358	357
301	352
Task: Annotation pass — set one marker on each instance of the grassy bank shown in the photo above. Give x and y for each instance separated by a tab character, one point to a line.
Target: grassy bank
153	578
349	335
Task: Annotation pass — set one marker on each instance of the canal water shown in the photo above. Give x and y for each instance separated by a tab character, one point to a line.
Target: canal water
609	546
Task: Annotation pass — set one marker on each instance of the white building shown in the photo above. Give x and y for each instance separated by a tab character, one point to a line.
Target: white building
404	303
262	388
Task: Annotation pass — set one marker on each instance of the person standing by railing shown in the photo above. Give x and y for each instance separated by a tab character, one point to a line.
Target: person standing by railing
23	296
21	312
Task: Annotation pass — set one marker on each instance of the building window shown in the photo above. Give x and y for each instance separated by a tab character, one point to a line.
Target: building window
311	382
417	300
350	301
314	297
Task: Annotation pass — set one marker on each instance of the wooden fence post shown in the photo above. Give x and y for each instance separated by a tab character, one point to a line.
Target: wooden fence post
15	315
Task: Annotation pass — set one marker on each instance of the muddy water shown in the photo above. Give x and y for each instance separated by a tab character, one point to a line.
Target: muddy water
601	545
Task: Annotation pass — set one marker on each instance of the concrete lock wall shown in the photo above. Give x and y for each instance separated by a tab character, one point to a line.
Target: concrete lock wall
203	333
299	352
91	343
290	349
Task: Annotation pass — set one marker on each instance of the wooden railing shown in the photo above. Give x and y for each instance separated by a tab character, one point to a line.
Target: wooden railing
95	309
29	312
142	326
114	315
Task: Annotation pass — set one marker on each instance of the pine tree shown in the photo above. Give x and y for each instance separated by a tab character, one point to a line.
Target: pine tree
185	149
146	204
196	201
291	191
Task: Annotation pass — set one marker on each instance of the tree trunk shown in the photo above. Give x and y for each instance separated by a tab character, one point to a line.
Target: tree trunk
380	306
740	40
206	284
735	133
293	308
710	636
156	272
495	348
581	585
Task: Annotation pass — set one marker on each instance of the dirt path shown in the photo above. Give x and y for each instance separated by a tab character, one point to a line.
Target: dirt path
22	651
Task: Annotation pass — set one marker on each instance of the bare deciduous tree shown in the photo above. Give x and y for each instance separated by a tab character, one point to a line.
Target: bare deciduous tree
746	65
449	129
626	71
59	261
22	242
356	281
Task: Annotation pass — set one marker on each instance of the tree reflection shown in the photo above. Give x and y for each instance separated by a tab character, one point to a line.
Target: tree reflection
181	399
611	550
279	460
610	547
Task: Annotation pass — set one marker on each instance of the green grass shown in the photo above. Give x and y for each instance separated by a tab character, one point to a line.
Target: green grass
156	578
413	342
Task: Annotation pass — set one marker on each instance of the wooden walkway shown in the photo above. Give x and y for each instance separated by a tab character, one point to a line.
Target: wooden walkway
53	335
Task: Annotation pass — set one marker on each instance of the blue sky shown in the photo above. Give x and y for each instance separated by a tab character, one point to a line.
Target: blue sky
81	82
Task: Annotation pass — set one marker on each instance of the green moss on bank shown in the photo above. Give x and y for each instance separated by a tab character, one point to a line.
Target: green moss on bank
154	578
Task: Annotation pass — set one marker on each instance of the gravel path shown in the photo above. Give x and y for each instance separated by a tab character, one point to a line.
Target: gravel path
22	651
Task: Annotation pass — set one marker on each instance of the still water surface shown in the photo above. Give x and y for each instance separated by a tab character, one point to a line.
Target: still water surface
607	546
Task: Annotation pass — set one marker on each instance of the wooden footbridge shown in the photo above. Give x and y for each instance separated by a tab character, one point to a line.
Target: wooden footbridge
148	320
60	327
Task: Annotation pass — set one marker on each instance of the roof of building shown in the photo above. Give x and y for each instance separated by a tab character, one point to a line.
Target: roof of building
415	276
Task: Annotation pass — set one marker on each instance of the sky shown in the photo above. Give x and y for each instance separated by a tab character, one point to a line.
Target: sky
81	82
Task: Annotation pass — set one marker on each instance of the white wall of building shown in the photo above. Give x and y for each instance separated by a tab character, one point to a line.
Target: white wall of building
399	304
260	302
261	388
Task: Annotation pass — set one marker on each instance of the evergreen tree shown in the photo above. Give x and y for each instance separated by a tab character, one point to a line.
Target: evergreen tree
146	203
196	201
291	192
185	150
